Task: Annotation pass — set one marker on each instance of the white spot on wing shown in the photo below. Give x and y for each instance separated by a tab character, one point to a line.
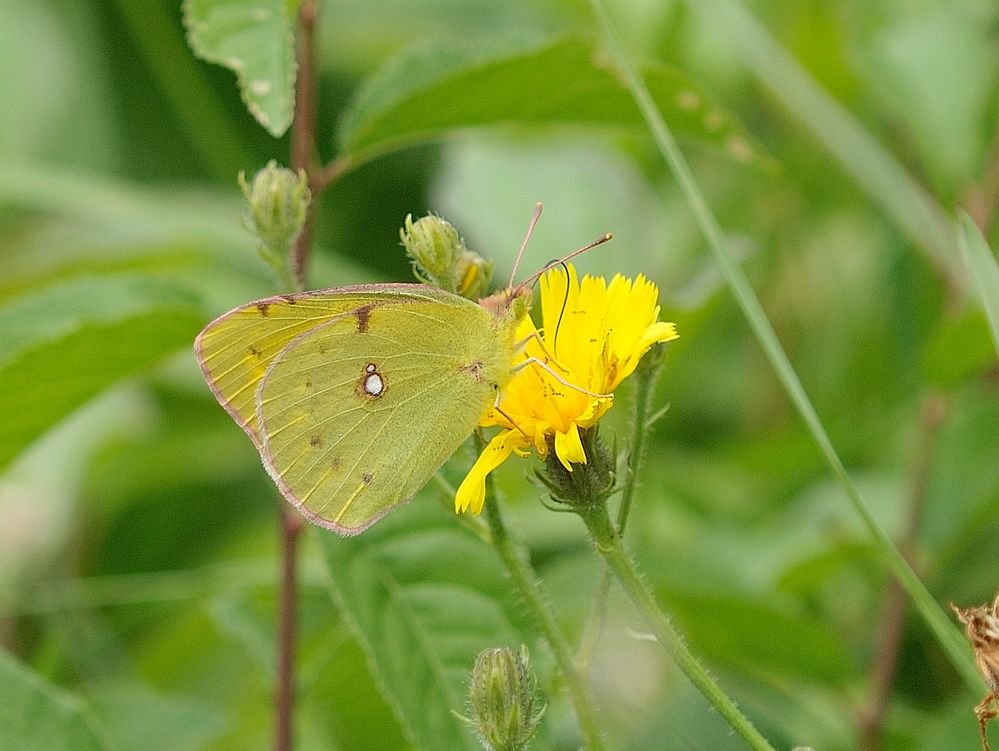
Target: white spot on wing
374	385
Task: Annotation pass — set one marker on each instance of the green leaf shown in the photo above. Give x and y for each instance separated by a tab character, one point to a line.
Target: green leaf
63	344
424	597
255	41
429	93
982	266
35	715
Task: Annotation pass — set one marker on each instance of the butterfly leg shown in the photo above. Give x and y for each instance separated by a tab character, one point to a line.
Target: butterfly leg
513	422
985	711
536	336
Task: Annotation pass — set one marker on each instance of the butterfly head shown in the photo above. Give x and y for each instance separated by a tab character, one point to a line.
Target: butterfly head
510	304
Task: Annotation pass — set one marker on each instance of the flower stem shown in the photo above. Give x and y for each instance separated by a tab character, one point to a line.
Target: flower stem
608	543
530	590
644	389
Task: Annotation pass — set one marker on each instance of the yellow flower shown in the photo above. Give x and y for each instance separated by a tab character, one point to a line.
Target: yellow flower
592	336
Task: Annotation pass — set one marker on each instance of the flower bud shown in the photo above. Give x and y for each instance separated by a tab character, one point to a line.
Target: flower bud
440	258
277	203
473	275
587	485
501	699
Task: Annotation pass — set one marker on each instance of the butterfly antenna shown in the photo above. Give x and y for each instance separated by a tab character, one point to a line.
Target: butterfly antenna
561	313
523	246
599	241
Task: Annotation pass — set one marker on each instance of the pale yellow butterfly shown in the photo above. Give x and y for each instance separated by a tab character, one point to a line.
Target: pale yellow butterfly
355	396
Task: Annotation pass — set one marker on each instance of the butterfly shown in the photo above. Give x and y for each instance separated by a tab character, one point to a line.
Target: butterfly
355	396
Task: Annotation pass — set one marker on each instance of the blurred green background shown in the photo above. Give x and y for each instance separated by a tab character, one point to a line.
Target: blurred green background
138	532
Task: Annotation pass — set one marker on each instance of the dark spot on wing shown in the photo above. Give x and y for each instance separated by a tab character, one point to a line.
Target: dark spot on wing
335	464
264	308
363	315
315	441
308	384
367	478
254	351
290	299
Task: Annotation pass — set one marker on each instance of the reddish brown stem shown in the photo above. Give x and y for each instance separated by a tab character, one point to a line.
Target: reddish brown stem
291	525
303	127
303	139
932	414
329	173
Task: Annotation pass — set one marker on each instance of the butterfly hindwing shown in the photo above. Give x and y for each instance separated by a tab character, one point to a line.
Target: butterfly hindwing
357	413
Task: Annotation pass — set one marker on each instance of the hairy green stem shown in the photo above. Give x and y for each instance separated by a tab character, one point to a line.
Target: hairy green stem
529	589
608	543
948	636
645	387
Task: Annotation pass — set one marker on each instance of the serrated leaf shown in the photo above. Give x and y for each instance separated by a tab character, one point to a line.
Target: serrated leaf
63	344
984	271
253	39
37	716
424	597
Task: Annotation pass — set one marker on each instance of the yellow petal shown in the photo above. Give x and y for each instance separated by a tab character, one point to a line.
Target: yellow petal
569	449
472	491
660	331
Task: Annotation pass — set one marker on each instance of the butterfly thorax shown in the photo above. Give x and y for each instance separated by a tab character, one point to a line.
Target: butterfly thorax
506	309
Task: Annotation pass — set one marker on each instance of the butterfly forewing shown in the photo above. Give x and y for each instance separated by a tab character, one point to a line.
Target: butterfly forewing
236	349
357	413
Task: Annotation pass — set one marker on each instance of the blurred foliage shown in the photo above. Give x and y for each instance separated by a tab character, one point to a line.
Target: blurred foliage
138	534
